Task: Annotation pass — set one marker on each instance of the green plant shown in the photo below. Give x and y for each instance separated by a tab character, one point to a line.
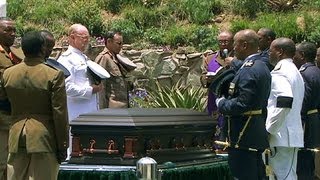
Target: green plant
115	6
87	13
155	36
178	97
203	37
129	30
247	8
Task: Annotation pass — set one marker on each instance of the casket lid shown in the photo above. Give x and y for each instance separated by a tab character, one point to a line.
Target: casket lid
143	117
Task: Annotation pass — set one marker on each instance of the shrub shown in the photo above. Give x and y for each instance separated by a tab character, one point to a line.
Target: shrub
177	35
199	11
87	13
203	37
155	36
130	31
247	8
115	6
284	24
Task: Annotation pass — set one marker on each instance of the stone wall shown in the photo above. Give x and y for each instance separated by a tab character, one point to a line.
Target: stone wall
182	66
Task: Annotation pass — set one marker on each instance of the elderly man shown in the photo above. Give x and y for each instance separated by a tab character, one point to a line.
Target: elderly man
39	133
284	108
211	66
8	57
304	60
81	92
245	109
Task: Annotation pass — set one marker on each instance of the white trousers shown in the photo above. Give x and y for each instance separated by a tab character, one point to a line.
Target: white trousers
283	161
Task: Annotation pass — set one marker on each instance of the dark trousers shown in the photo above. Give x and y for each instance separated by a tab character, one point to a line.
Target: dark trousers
246	165
305	165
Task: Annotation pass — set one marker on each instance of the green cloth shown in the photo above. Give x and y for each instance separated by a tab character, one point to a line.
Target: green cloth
218	171
96	175
212	171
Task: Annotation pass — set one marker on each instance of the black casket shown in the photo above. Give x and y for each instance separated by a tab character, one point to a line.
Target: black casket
123	136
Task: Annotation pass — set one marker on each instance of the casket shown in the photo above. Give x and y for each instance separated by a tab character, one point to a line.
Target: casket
123	136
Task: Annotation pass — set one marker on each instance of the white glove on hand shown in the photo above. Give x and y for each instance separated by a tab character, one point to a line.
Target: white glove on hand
219	99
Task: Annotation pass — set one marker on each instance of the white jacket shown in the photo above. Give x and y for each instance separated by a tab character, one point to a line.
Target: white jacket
284	124
79	91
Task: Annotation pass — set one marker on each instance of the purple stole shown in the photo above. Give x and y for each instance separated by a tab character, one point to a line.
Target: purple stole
213	66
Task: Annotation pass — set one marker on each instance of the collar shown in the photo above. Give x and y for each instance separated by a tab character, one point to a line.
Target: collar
34	59
2	50
305	65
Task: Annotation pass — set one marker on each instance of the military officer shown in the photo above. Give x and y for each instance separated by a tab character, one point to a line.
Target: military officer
50	42
304	60
266	36
245	109
116	88
284	107
39	133
81	91
8	57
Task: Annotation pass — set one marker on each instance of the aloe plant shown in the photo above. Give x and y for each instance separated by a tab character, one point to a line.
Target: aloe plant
178	97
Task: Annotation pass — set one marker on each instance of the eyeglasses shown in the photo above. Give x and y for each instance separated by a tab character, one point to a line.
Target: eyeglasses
84	37
223	41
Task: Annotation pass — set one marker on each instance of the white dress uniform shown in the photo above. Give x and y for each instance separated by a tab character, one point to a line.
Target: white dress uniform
80	99
284	118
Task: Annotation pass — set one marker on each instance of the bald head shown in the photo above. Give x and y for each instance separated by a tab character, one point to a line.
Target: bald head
245	43
79	37
225	40
281	48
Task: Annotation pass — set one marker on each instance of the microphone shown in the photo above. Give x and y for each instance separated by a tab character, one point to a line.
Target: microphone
225	52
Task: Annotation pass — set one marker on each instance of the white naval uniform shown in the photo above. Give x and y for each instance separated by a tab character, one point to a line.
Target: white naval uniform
80	99
284	124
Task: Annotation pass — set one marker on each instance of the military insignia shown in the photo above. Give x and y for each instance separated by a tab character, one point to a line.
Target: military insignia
231	89
249	63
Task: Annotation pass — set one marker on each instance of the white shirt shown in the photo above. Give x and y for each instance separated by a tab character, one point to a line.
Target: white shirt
284	124
79	91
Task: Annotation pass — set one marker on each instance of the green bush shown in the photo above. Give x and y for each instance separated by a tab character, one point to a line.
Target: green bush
38	14
203	37
177	35
142	16
130	31
284	24
155	36
247	8
199	11
87	13
115	6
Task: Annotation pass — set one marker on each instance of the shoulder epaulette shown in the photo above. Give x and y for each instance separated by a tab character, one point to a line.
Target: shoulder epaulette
248	63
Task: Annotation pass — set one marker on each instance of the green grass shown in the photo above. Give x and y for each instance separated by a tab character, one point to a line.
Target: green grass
164	22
